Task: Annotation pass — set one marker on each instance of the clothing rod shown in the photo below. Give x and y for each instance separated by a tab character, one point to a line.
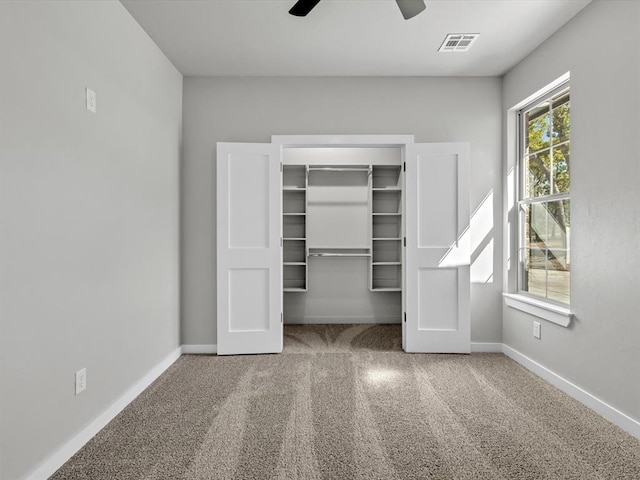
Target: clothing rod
338	169
339	254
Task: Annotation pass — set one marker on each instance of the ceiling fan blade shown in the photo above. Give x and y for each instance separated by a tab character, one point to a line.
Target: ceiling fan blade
410	8
303	7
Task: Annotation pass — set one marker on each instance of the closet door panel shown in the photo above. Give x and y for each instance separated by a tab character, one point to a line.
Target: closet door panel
248	200
437	293
438	302
249	252
437	201
247	316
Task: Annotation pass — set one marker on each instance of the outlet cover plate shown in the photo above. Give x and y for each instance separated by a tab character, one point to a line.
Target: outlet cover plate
536	329
81	381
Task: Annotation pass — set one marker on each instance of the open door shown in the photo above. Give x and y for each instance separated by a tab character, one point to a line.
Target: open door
249	252
437	290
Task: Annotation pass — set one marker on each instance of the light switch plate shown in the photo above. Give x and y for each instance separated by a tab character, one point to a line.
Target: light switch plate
91	100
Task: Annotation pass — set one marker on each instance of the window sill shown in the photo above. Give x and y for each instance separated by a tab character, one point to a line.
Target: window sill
547	311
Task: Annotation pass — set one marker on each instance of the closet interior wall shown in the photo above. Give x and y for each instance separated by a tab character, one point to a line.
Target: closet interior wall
342	234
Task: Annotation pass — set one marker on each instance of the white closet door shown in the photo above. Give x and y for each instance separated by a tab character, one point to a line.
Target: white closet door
437	255
249	208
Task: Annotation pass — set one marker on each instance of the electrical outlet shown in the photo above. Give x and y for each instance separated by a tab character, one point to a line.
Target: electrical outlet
91	100
81	381
536	329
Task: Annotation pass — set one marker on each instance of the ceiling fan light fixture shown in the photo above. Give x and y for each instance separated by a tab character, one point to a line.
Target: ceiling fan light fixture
410	8
302	7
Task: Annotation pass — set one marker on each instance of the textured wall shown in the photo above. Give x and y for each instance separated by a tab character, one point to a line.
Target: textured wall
599	351
243	109
88	215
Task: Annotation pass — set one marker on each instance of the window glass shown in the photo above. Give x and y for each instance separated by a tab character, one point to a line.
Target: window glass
538	128
537	175
561	125
560	169
545	220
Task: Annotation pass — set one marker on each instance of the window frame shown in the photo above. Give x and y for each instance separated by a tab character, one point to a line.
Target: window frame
521	202
539	306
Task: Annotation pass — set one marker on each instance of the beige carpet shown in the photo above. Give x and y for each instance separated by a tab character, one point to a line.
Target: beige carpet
343	402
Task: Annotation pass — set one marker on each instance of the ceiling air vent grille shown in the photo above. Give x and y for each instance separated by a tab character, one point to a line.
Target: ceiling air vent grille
458	42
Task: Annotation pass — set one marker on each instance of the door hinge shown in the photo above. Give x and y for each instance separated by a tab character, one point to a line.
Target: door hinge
405	241
404	166
405	317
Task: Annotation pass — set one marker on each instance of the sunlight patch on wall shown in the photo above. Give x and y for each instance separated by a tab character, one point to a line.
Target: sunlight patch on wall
482	266
482	241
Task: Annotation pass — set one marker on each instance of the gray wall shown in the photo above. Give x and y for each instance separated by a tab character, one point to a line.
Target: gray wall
600	351
89	244
252	109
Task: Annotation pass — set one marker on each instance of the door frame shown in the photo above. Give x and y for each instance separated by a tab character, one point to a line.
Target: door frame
320	141
354	141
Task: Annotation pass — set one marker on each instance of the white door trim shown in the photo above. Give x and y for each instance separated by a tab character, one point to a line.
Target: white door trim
342	140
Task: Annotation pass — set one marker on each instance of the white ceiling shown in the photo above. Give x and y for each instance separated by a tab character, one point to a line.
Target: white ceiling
346	37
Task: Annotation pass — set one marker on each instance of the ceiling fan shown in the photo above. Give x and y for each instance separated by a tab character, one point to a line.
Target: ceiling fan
408	8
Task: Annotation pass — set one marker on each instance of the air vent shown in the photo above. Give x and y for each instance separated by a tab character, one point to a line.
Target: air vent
458	42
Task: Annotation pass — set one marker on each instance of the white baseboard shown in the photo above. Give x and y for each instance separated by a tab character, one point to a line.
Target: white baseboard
478	347
602	408
66	451
200	349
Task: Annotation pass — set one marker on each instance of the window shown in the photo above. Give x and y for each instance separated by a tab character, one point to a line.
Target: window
544	215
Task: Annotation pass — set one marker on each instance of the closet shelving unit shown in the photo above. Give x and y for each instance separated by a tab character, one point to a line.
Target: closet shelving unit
294	231
385	250
386	228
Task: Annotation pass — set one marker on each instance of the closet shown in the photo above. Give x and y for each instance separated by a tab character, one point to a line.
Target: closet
342	229
342	235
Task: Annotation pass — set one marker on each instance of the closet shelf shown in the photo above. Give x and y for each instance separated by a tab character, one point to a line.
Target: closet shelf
292	213
340	252
297	238
386	189
294	289
377	289
388	239
294	263
386	263
387	214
